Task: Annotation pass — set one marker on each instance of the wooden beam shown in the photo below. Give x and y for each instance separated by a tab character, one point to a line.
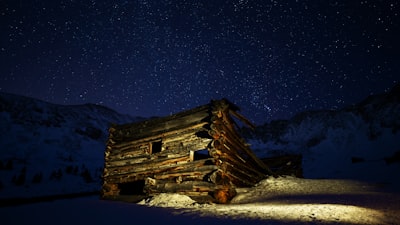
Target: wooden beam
148	165
243	119
157	126
184	187
150	138
191	171
218	125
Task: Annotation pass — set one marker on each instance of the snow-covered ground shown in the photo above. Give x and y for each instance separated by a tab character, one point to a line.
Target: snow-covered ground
273	201
295	200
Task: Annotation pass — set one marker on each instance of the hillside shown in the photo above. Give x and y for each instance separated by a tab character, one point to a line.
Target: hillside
48	149
358	142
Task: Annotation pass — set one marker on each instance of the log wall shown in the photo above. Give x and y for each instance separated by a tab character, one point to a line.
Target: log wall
161	154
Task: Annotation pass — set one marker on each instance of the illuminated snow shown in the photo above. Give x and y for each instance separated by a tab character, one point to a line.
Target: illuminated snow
291	200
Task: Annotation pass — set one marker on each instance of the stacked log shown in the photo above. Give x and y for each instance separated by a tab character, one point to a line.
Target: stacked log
233	155
160	154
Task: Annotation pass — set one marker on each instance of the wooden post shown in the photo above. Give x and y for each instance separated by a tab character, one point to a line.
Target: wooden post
191	155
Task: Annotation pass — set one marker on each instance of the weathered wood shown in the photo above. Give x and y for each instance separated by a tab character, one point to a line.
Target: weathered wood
234	141
131	150
118	162
141	175
191	139
243	175
145	129
128	154
188	134
148	165
226	151
242	118
130	175
167	148
161	153
142	158
187	186
249	171
200	171
155	137
193	193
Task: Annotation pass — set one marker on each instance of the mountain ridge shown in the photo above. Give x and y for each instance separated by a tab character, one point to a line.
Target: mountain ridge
50	149
356	142
45	146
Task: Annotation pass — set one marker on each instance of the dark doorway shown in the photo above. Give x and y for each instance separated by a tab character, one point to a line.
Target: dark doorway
156	147
131	188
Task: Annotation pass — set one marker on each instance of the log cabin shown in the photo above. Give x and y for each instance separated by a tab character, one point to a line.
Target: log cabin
197	152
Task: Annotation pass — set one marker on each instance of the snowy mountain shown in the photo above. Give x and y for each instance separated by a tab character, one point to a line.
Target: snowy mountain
361	141
48	149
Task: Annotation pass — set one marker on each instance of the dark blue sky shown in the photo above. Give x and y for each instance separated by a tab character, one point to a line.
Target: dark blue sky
153	58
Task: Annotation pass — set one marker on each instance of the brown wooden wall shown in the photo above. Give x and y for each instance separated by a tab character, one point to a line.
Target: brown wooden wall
163	149
161	154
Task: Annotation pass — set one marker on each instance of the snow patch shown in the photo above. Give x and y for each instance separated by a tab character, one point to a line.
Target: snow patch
171	200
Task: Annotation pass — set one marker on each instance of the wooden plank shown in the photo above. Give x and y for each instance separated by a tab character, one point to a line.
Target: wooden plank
135	176
185	139
226	176
243	119
239	181
118	162
243	172
144	151
234	139
126	155
200	193
231	150
187	186
188	135
155	127
139	147
115	162
150	172
249	171
160	135
148	165
191	171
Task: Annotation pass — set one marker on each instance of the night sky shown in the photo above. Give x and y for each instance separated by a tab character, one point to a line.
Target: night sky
153	58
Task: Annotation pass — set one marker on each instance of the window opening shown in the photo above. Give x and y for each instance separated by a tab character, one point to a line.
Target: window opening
156	147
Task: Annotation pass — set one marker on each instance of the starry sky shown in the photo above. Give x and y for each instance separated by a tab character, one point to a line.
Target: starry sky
153	58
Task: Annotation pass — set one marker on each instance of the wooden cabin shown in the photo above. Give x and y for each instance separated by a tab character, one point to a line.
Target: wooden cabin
197	152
